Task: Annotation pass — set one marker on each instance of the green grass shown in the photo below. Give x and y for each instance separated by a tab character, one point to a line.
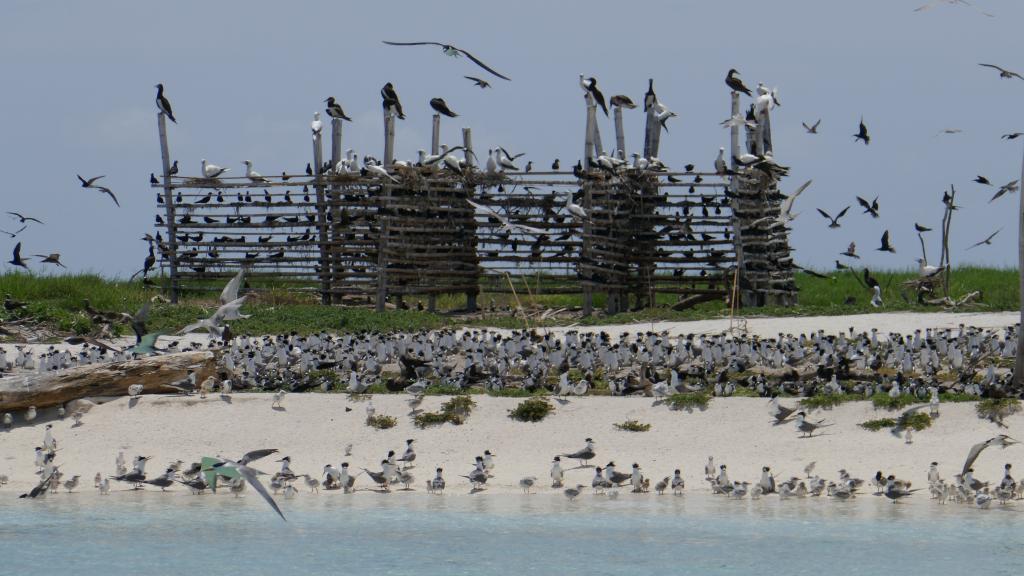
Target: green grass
633	426
917	421
531	410
381	421
57	302
997	408
956	397
882	400
828	401
688	401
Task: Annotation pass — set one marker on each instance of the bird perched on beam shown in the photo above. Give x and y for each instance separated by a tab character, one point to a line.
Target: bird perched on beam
735	83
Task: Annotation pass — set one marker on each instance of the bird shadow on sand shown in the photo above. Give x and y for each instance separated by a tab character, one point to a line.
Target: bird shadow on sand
225	399
132	402
815	436
580	467
278	408
77	425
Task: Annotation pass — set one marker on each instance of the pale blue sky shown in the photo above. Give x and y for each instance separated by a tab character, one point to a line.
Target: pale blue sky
245	77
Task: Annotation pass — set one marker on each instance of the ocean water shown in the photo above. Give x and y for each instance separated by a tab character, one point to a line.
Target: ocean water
152	533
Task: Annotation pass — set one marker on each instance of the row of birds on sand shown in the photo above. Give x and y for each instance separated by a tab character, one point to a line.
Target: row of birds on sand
204	476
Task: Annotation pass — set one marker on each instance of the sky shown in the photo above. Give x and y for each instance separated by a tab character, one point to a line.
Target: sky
245	77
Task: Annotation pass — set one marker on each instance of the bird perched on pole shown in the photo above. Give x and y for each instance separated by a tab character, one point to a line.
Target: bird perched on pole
163	104
441	107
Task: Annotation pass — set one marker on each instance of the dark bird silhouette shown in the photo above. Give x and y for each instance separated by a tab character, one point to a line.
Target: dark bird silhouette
454	51
870	280
163	104
622	101
152	179
590	85
851	251
886	246
91	183
441	107
862	133
834	222
982	180
478	81
16	260
334	109
986	241
1004	189
1003	72
650	98
1012	135
22	218
869	208
15	233
390	100
735	83
812	129
921	229
51	259
174	169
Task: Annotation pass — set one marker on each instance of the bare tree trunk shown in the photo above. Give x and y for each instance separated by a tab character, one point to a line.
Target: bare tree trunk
1018	368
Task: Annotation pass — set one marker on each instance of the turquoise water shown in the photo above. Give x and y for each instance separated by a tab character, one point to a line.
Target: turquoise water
152	533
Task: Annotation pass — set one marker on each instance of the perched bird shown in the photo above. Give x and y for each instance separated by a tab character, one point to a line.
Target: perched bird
1003	72
622	101
734	83
163	104
212	170
454	51
334	109
812	129
886	246
590	85
986	241
862	133
921	229
833	222
478	81
253	175
390	101
441	107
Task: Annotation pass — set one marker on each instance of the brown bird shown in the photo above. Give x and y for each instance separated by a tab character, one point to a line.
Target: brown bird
986	241
51	259
1003	72
91	183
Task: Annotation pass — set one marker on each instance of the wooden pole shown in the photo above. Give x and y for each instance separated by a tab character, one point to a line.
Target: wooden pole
326	230
652	121
321	218
172	239
1018	367
389	139
435	136
588	153
766	132
598	147
383	210
468	154
620	135
586	254
588	138
737	224
945	239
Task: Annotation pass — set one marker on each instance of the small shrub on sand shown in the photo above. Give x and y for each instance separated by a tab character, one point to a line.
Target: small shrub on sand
633	426
381	421
531	410
688	401
827	401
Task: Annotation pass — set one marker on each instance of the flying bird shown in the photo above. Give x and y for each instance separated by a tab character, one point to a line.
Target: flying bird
55	258
16	260
390	101
441	107
886	246
1012	135
1003	72
22	218
250	476
862	133
982	180
334	109
1002	441
834	221
851	251
935	3
986	241
163	104
91	183
454	51
735	83
813	128
1004	189
478	81
15	233
869	208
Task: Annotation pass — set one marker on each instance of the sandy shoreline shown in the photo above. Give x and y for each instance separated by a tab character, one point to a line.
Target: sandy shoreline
314	428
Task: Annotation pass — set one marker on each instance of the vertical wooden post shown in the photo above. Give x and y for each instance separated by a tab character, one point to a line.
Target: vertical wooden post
766	132
435	136
389	139
586	256
1018	367
598	147
468	154
330	231
335	141
384	207
172	239
737	223
734	132
655	135
620	135
651	122
321	218
588	137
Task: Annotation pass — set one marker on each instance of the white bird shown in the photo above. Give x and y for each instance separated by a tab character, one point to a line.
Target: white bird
30	414
786	214
506	225
876	296
246	474
215	324
720	166
212	170
252	174
926	271
230	291
278	398
556	473
379	171
574	209
135	390
316	125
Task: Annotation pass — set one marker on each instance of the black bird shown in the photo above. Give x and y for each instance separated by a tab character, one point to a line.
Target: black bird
841	266
921	229
1012	135
454	51
390	101
91	183
862	133
1003	72
152	179
555	165
441	107
870	280
869	208
478	81
334	109
16	259
886	247
982	180
15	233
590	85
834	221
174	169
622	101
986	241
22	218
650	98
812	129
163	104
309	169
735	83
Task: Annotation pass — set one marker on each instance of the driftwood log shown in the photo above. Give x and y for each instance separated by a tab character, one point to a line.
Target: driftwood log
111	379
